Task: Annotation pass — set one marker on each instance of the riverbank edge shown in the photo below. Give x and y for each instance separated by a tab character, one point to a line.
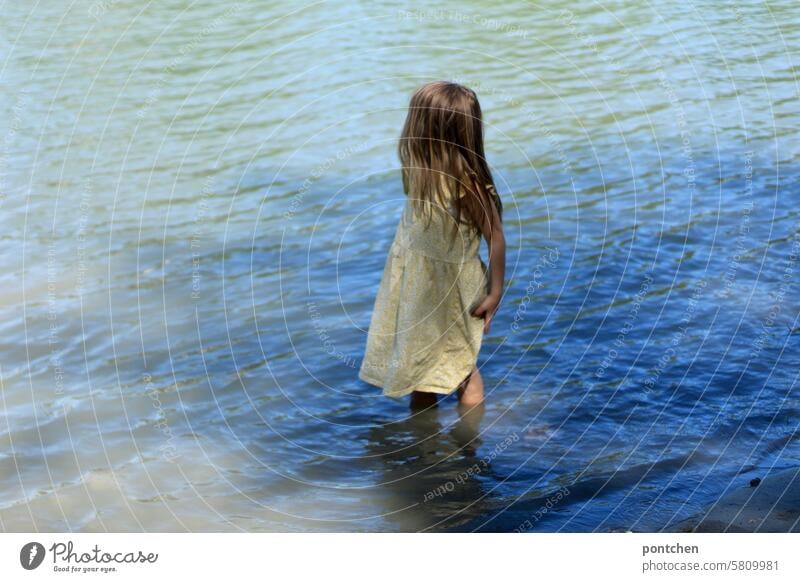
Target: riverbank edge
773	505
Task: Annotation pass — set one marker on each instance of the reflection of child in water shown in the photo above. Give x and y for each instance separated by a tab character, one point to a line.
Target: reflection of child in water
419	457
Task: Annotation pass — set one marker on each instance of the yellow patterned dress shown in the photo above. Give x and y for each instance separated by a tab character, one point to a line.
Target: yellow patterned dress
423	335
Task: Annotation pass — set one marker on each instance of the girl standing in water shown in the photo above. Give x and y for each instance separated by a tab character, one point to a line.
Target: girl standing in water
437	298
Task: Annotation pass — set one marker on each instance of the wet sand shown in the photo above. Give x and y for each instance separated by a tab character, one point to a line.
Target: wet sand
771	506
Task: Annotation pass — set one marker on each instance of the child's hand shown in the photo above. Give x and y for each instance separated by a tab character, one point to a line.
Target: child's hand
486	310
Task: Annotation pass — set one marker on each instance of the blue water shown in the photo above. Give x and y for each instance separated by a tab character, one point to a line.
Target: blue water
197	201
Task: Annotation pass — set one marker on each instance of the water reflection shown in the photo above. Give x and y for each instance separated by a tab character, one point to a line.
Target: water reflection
432	472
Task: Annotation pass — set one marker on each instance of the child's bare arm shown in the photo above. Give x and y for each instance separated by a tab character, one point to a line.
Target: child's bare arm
492	231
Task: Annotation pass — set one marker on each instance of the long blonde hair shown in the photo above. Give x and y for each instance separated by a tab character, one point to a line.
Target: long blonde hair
442	147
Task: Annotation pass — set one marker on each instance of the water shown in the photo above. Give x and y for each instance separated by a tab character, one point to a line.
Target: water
198	199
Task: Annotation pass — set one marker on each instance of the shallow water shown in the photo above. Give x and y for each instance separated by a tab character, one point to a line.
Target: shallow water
197	200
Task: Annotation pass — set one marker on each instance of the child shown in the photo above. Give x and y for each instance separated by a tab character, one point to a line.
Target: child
434	301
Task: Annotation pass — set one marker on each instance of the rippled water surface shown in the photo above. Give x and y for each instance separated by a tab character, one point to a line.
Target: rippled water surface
198	198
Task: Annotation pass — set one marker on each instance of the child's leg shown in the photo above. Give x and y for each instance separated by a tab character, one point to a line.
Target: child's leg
470	393
422	399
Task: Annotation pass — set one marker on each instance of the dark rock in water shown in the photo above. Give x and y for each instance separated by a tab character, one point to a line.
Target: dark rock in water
755	482
772	506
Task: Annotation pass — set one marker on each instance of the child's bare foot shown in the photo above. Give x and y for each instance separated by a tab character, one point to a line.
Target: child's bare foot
422	400
470	393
